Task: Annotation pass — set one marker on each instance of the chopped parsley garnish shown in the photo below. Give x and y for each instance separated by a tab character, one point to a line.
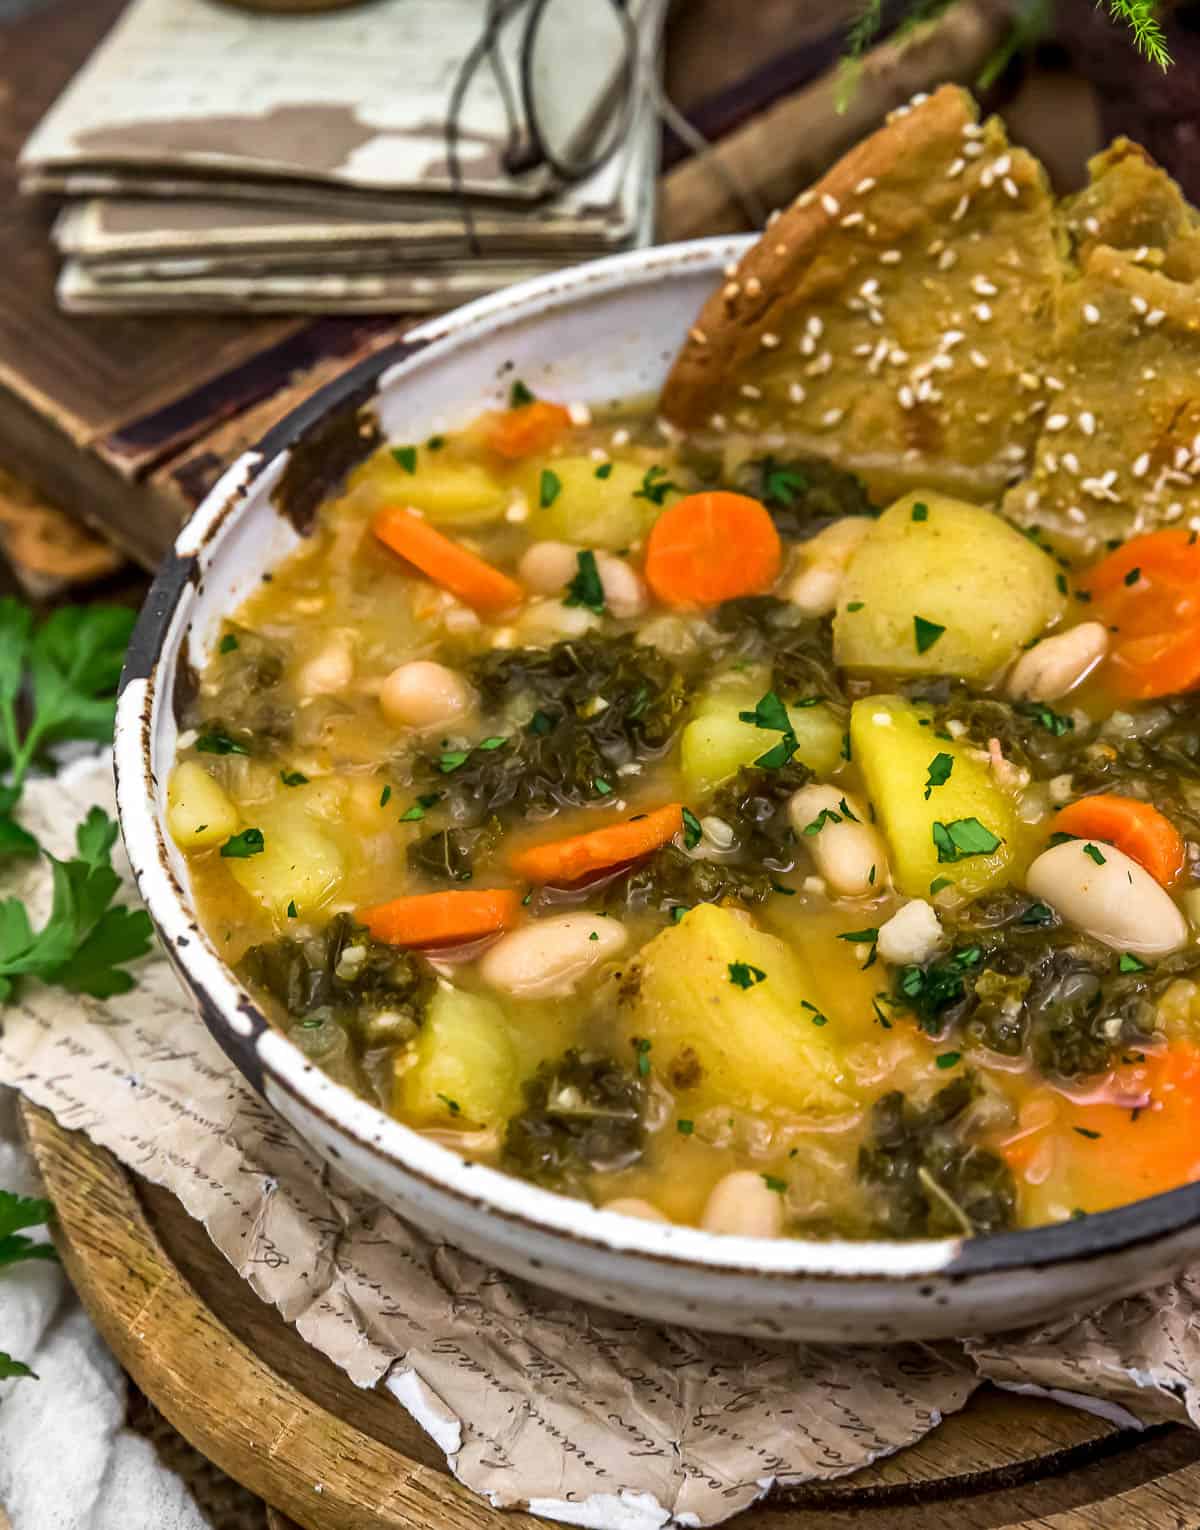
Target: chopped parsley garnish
679	911
855	605
826	815
228	644
1061	581
866	937
656	485
844	809
785	892
519	395
406	456
782	484
769	712
291	910
385	796
920	511
1045	717
242	846
773	1183
685	1128
585	589
1133	576
602	787
594	935
963	837
743	975
1086	1132
938	883
496	741
926	633
604	470
642	1047
939	772
217	742
417	811
1130	963
948	1059
451	1105
293	778
1094	853
814	1013
540	723
435	443
451	759
692	831
1037	913
549	487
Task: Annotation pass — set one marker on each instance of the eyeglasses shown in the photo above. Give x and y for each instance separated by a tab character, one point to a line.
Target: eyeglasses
566	134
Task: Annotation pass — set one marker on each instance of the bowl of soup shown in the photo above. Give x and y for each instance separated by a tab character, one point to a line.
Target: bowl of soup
658	864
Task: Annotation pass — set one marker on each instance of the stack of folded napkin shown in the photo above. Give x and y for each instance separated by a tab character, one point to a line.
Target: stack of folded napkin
223	160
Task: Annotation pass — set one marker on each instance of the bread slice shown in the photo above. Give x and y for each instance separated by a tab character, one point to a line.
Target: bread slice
928	317
896	317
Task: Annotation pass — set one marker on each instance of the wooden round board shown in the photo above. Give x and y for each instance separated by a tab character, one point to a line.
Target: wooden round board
236	1381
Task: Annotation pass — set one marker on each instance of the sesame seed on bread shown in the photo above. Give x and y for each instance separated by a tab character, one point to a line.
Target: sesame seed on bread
929	317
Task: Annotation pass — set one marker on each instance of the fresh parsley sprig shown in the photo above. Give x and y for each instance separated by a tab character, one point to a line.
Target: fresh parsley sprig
63	676
17	1213
85	941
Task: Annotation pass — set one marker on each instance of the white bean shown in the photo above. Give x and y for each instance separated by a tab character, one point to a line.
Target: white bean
823	562
624	593
849	854
1115	901
912	934
634	1206
330	669
549	956
549	620
422	694
545	567
1057	664
742	1204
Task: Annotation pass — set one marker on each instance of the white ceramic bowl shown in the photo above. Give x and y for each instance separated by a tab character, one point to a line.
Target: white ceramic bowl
596	333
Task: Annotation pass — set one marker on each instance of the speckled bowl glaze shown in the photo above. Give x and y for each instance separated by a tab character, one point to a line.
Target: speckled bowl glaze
599	332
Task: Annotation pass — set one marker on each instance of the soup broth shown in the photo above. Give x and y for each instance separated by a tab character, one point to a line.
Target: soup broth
665	822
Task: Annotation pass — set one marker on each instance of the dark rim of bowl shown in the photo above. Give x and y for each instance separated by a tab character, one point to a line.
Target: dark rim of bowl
1140	1223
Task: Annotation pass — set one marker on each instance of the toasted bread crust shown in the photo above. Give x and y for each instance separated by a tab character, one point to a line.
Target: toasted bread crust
732	323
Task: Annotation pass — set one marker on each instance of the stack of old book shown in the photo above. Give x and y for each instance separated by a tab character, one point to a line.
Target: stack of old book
223	160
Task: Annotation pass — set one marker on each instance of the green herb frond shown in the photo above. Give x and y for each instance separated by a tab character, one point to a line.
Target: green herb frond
1141	17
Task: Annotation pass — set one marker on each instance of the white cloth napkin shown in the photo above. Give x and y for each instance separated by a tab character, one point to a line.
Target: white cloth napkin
67	1462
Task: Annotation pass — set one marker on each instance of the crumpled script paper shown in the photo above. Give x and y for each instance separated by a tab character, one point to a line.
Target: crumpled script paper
582	1414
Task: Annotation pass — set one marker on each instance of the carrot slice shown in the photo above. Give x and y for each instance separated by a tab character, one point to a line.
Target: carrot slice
433	919
711	547
447	563
1136	828
1097	1156
582	855
1148	593
528	429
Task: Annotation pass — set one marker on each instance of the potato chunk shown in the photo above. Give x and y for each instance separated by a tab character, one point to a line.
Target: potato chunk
956	566
594	512
895	752
447	493
299	863
462	1069
199	810
717	743
719	1033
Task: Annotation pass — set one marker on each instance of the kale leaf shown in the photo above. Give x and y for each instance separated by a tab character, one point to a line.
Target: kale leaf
924	1176
803	494
583	1115
375	992
754	805
595	705
671	879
